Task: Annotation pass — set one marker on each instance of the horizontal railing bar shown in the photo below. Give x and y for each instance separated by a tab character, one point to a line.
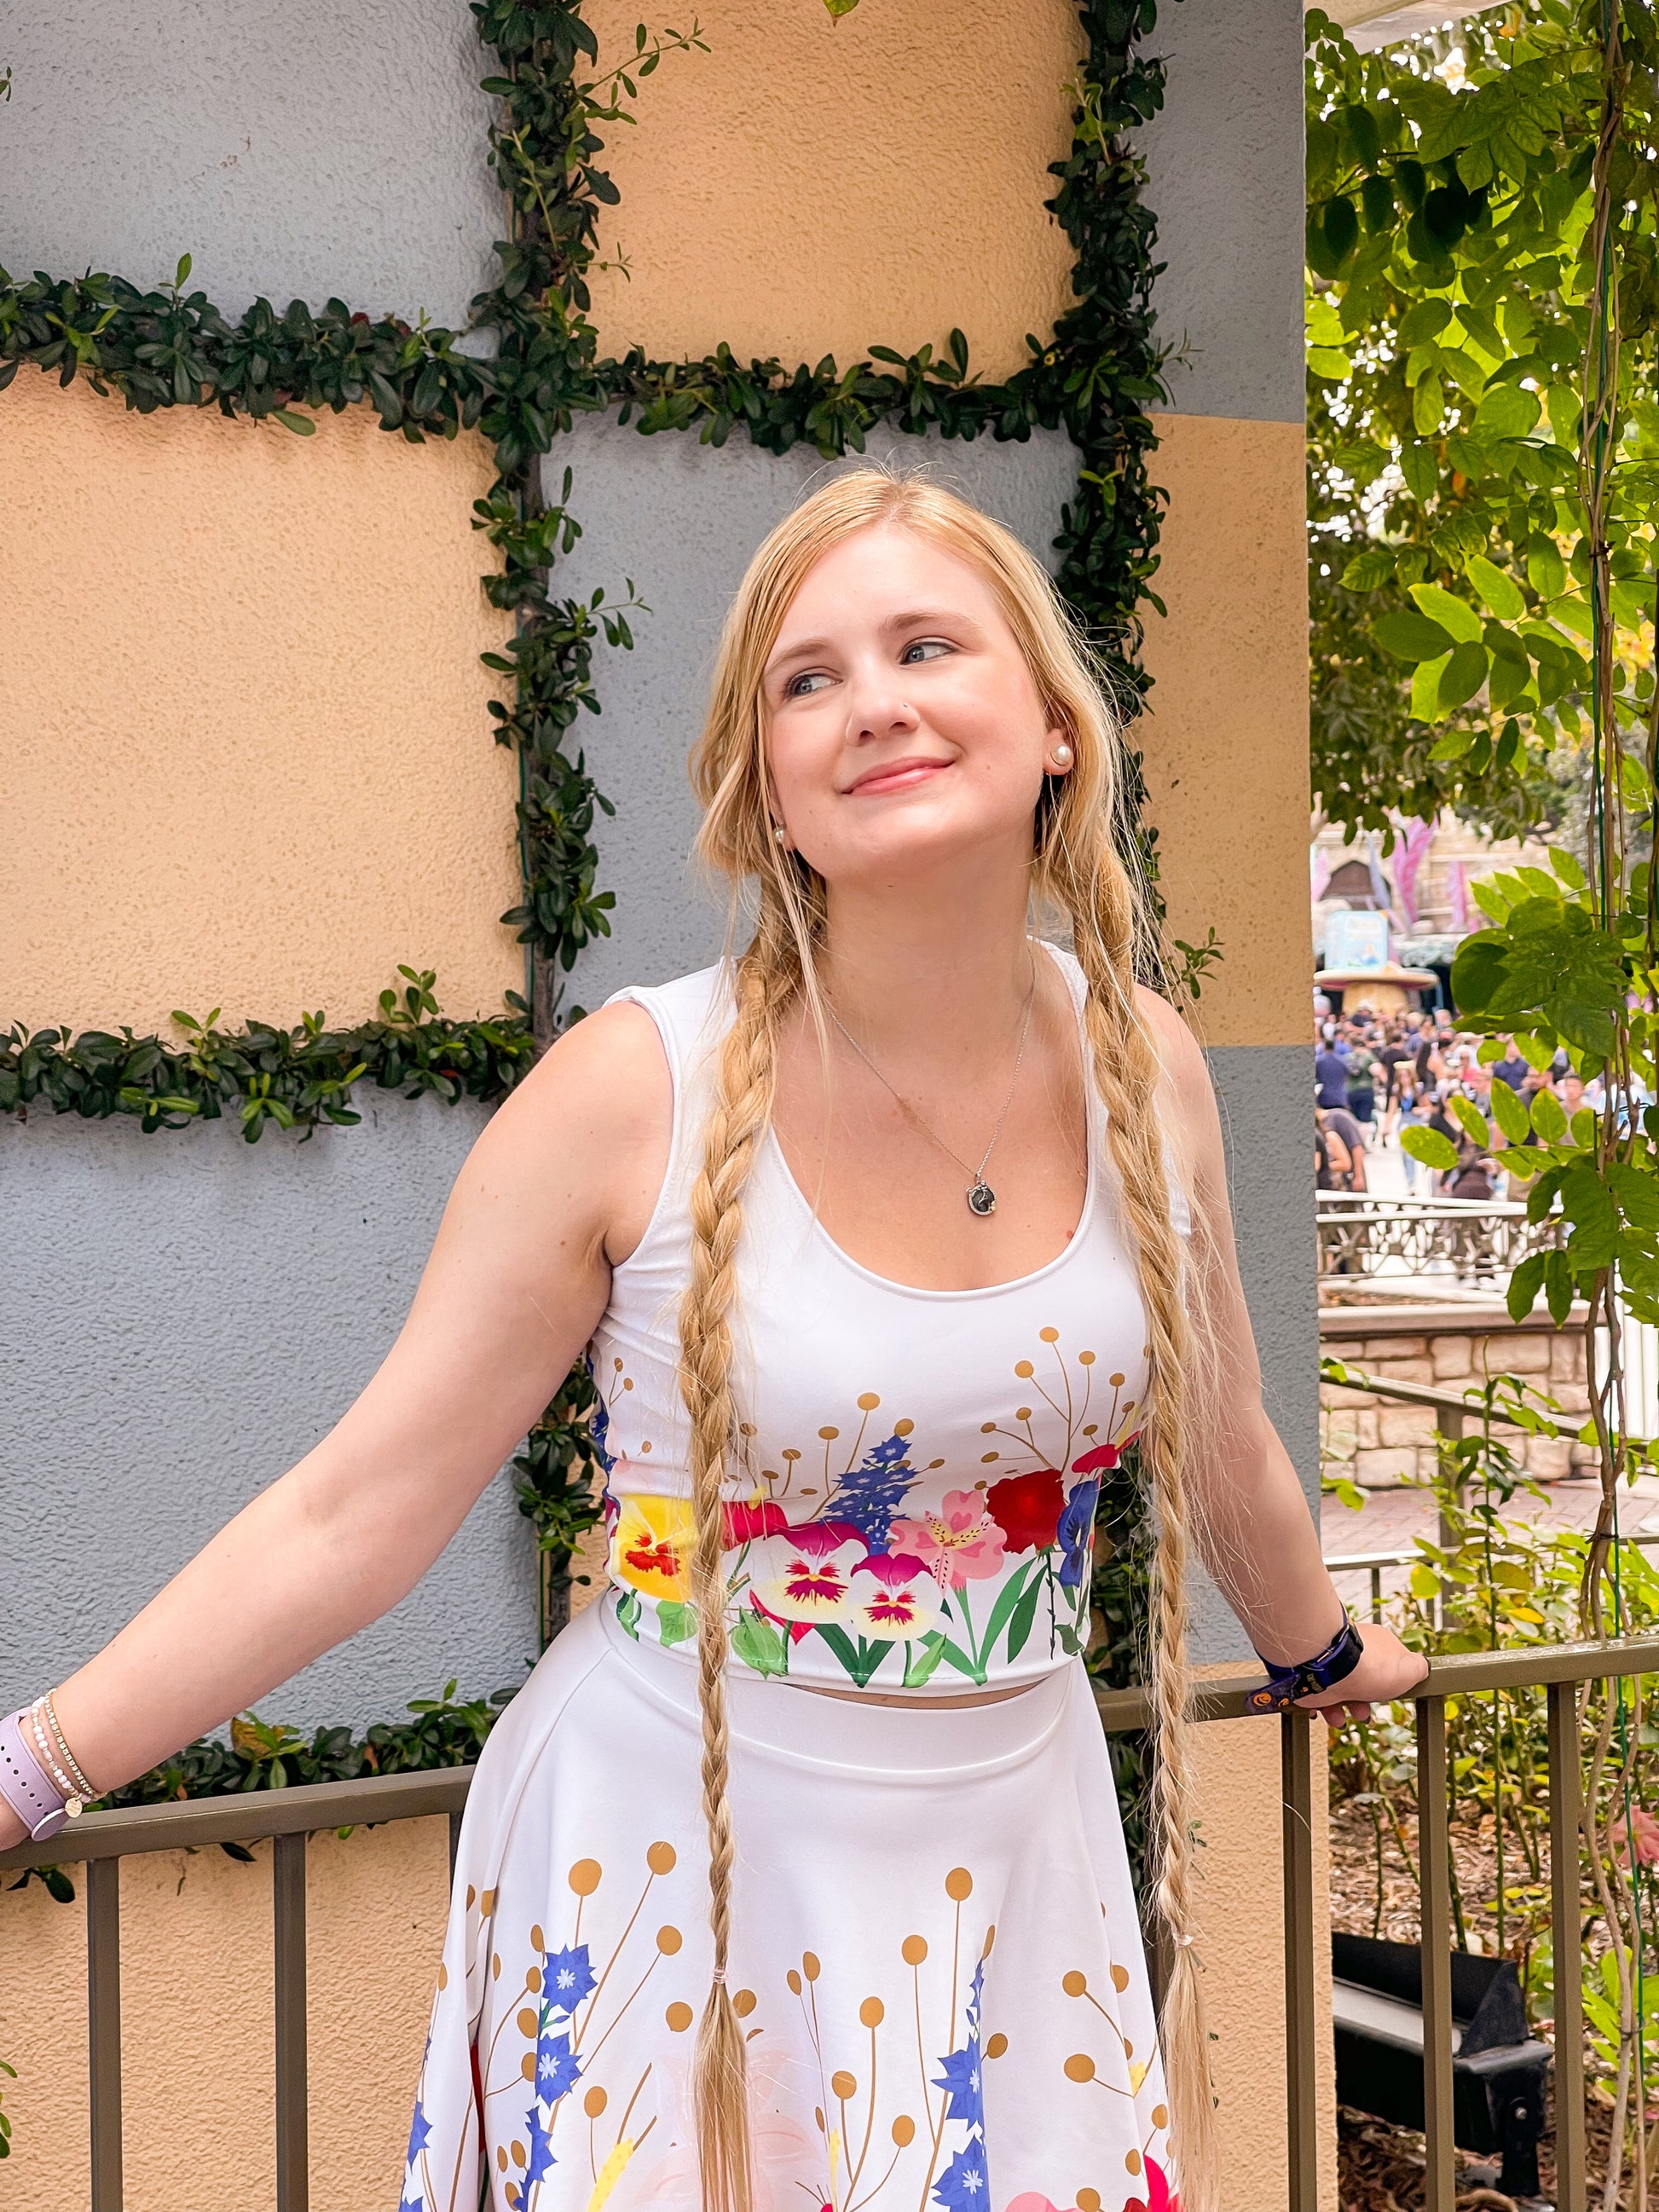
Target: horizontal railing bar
1417	1394
246	1817
1354	1562
1340	1202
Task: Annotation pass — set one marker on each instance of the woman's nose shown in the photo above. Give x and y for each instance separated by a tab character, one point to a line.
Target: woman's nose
877	705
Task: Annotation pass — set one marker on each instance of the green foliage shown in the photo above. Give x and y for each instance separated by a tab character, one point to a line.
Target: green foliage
10	2072
560	1476
1452	298
298	1078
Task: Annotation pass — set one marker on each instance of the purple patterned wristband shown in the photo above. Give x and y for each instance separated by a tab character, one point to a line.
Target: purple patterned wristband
25	1786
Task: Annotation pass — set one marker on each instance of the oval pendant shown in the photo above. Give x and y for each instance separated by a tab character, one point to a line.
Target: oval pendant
982	1199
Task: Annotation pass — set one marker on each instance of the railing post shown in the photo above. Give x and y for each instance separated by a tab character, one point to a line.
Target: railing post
1571	2186
1433	1841
1301	2026
104	2029
288	1883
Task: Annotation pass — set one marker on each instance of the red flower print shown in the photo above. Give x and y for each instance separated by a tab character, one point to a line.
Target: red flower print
815	1539
1160	2197
741	1524
1104	1456
1027	1509
658	1558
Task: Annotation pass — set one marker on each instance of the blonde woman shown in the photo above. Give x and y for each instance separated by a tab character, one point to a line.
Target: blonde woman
794	1877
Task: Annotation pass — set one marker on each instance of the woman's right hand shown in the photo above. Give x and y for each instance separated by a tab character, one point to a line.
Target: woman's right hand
558	1189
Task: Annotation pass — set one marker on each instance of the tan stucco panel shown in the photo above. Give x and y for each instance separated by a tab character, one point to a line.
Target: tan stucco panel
1225	740
1241	1942
247	757
811	186
197	2078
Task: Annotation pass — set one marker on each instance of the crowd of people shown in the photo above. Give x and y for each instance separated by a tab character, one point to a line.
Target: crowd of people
1376	1076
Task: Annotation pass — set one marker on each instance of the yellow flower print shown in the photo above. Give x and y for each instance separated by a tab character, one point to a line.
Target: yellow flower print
651	1546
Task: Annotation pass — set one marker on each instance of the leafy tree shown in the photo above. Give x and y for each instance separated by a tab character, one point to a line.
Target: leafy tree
1452	282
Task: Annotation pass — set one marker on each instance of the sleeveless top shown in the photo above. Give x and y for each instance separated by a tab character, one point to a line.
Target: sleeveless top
911	1495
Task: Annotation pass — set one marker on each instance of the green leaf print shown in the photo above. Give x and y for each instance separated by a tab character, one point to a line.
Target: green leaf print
1019	1628
923	1658
676	1623
1008	1597
628	1614
861	1660
759	1645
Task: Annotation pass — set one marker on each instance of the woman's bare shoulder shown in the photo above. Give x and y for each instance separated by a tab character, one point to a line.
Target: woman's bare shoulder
591	1122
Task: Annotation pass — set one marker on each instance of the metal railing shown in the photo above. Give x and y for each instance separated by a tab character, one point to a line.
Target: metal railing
1475	1240
103	1839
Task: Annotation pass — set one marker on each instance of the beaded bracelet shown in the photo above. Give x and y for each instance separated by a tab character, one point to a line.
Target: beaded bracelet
83	1788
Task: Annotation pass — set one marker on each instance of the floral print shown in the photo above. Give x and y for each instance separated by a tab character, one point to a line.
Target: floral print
885	1564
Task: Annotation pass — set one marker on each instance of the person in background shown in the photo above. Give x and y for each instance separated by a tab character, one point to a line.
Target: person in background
1337	1121
1511	1069
1333	1161
1392	1057
1362	1079
1330	1076
1414	1115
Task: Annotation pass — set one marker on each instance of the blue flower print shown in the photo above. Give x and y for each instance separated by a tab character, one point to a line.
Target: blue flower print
1076	1531
557	2068
599	1427
965	2185
541	2150
415	2203
961	2077
419	2131
870	1494
567	1978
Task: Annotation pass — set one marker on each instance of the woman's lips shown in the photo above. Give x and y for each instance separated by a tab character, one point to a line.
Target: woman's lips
896	775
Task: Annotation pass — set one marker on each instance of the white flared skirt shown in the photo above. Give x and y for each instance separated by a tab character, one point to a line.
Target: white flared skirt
935	1954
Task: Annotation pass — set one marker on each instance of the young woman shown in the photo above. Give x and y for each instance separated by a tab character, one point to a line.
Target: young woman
886	1239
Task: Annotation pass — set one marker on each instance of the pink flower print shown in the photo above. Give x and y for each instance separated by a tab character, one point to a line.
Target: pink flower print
901	1605
957	1543
805	1573
1104	1456
1160	2196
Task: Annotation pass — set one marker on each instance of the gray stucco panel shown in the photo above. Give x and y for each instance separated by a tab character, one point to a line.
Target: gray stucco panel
1225	175
1261	1090
181	1318
681	521
305	152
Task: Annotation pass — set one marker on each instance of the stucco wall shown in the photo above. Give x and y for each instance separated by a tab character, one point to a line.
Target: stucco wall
248	756
180	1319
307	152
878	179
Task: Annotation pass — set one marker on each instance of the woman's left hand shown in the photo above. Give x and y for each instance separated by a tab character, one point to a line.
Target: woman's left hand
1388	1670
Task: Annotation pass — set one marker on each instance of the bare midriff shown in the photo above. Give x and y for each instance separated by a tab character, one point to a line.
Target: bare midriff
889	1697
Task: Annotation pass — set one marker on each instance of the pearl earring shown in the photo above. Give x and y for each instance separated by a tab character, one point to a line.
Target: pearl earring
1062	755
780	833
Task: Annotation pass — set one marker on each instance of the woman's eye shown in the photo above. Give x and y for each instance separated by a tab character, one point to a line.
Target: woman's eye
923	648
804	685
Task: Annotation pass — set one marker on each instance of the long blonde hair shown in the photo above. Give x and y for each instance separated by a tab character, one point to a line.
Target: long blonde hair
1078	870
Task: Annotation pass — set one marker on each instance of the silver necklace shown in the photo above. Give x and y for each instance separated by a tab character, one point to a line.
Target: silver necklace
982	1199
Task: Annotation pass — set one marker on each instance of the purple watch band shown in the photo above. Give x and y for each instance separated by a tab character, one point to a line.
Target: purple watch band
24	1784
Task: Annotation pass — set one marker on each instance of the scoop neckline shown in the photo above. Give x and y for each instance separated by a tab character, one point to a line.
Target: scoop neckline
1092	1108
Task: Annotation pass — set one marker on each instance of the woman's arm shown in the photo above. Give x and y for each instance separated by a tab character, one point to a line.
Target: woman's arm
1257	1536
556	1190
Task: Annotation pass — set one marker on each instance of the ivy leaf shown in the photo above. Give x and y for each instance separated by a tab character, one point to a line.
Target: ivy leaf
1431	1146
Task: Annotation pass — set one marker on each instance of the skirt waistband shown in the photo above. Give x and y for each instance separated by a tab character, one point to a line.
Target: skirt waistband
920	1741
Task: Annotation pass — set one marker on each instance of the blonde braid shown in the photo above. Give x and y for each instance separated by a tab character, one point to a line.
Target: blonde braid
741	1112
1104	918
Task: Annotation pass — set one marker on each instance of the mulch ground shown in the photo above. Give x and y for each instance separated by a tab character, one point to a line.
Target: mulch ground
1380	2168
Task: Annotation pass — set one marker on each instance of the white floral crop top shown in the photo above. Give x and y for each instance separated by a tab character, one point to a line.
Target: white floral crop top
916	1508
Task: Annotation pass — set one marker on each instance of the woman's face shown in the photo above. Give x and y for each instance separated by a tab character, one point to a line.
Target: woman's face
903	729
